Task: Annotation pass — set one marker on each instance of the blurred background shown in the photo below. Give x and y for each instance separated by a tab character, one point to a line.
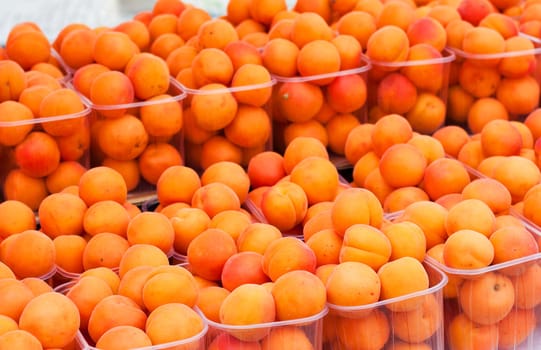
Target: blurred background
53	15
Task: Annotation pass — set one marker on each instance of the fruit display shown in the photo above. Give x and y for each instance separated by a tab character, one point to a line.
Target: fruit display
405	323
111	314
314	175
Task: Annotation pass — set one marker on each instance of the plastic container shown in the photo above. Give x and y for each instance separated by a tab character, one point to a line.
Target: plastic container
197	342
415	89
28	184
157	152
377	327
227	128
519	329
480	76
307	328
316	111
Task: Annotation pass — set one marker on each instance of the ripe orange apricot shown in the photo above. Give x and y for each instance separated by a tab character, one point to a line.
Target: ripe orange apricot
343	287
141	255
395	158
101	183
468	249
69	252
366	244
28	253
61	325
400	277
85	293
114	310
104	249
114	49
151	228
285	254
298	294
356	206
464	333
479	217
16	217
443	176
167	285
106	216
14	295
322	188
419	324
200	262
19	339
145	67
487	299
173	322
123	337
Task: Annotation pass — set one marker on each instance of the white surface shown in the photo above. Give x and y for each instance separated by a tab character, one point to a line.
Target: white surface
53	15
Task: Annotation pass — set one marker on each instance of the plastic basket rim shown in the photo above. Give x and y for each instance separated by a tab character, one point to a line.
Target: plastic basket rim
81	114
488	56
431	290
296	321
62	288
198	337
448	57
300	79
226	89
172	98
480	271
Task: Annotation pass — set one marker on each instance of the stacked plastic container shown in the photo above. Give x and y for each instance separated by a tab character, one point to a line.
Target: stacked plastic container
384	324
227	123
506	85
340	95
41	146
157	152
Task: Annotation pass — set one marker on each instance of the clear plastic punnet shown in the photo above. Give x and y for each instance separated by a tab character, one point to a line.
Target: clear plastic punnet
196	342
324	106
416	89
131	139
486	320
380	326
299	333
34	152
227	123
511	78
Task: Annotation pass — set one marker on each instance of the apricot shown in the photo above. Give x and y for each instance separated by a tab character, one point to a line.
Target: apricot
401	277
282	337
284	205
468	249
298	294
356	206
366	244
389	43
371	331
286	254
248	304
353	283
419	324
488	298
472	214
241	268
208	252
463	333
